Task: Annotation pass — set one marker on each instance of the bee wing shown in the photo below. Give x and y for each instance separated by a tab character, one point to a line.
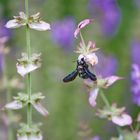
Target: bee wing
71	76
90	75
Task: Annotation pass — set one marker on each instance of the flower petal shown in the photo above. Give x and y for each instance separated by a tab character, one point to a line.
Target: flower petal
122	120
38	106
35	137
92	97
22	15
92	59
36	16
23	70
22	137
91	47
81	25
31	137
13	24
14	105
111	79
40	26
76	32
138	136
138	118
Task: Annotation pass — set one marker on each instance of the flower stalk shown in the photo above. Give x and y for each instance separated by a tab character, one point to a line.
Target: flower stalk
106	102
29	108
82	39
25	65
121	135
27	7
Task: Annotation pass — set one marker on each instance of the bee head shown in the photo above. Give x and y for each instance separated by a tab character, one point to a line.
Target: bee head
81	60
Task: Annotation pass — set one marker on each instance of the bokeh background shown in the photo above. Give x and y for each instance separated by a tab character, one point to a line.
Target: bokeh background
115	30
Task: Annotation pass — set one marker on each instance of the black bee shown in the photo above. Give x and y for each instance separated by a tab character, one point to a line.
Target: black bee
81	70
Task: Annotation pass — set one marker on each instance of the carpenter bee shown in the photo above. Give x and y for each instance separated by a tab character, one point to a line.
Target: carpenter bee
81	70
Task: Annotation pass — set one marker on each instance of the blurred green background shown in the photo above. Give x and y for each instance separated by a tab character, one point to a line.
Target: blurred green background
70	112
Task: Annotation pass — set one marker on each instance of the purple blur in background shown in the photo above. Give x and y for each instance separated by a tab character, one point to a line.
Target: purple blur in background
1	63
1	55
135	73
106	66
136	52
137	3
108	13
62	33
96	138
3	30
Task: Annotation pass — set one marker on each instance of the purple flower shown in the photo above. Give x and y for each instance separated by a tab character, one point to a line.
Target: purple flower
135	73
108	13
107	65
62	33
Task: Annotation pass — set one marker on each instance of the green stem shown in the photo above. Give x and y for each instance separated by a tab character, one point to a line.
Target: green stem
105	100
131	128
82	40
137	127
29	109
27	7
121	136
